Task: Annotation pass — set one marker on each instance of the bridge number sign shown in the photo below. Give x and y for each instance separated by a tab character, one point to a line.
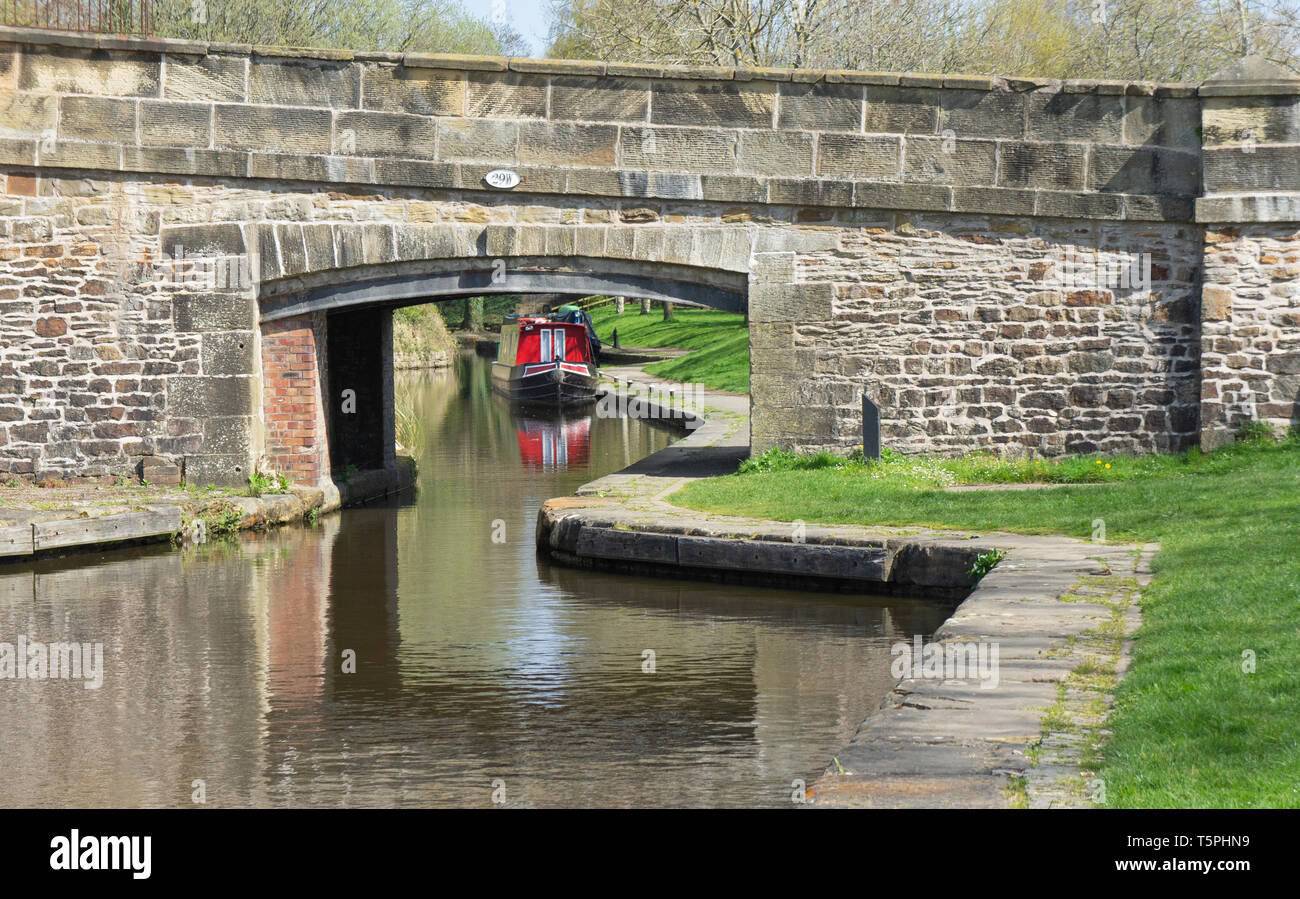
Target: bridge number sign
503	178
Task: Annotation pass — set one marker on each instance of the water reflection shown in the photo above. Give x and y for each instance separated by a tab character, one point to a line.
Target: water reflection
475	661
553	443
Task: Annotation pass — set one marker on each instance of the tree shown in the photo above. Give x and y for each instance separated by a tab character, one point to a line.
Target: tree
396	26
1125	39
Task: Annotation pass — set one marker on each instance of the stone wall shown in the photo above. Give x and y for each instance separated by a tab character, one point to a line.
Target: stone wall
1250	329
983	331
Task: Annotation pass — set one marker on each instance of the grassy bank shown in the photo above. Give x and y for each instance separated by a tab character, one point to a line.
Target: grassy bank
420	337
719	342
1191	727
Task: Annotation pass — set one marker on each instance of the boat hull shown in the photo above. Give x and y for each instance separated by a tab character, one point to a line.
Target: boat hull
546	384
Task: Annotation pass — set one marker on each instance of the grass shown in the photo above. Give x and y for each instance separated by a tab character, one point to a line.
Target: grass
419	333
1192	726
259	483
719	342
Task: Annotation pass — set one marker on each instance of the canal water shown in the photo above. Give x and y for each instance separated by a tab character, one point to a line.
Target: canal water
482	674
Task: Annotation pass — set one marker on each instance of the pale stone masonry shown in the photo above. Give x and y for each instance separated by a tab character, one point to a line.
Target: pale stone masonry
1019	265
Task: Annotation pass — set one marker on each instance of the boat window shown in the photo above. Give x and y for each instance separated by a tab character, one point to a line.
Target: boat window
559	344
545	338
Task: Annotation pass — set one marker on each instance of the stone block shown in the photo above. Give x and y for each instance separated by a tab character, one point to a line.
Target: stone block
1216	303
820	106
97	118
677	149
717	104
1144	170
1264	120
862	156
224	470
995	200
185	161
227	435
225	239
1163	121
1068	204
229	353
73	155
791	302
273	128
599	99
732	188
66	70
1091	117
293	253
775	153
304	82
211	78
901	110
978	113
27	115
552	143
203	397
384	134
921	197
1268	168
164	123
415	172
505	95
949	161
200	312
431	92
608	543
470	139
318	244
869	564
300	167
1047	166
809	192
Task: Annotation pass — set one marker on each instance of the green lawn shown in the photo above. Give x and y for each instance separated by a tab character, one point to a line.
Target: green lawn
720	341
1191	729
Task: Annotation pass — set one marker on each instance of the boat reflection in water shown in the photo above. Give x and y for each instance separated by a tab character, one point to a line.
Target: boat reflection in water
553	442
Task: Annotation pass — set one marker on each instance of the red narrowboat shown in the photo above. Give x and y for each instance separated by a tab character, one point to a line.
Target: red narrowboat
543	362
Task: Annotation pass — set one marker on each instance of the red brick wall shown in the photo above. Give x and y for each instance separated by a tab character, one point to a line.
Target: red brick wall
292	368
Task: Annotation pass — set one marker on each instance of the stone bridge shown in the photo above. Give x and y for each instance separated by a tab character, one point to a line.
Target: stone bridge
203	243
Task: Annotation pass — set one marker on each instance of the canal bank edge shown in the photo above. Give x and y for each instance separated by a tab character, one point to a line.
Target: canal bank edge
53	533
1061	612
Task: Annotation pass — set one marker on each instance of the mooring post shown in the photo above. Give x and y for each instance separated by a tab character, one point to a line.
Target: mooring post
870	428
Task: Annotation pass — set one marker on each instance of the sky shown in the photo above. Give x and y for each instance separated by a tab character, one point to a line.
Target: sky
531	18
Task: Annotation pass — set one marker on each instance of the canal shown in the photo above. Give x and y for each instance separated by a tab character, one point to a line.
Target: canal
482	674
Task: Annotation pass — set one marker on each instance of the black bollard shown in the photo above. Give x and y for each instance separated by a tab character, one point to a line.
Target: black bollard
870	428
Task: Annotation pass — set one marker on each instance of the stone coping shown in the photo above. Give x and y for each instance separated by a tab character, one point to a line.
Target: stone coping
1049	606
1249	208
597	68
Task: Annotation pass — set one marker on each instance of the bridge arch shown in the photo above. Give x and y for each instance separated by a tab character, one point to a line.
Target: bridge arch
325	324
